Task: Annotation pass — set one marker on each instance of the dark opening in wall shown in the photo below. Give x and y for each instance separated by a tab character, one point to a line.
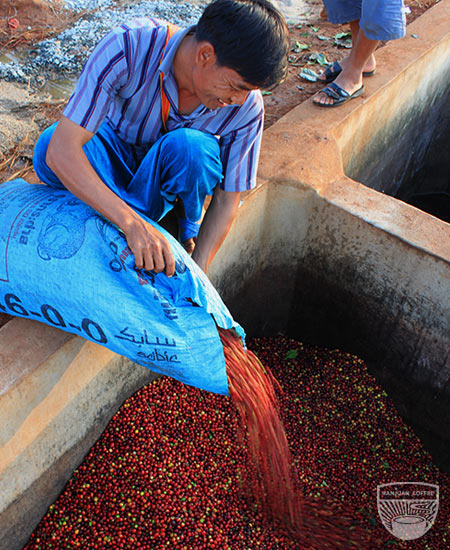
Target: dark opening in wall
429	187
410	160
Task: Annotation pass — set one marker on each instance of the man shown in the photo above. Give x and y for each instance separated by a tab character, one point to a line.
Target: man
370	21
201	84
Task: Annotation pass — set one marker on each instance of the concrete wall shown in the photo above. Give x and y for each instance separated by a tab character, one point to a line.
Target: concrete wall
386	142
57	394
340	264
313	253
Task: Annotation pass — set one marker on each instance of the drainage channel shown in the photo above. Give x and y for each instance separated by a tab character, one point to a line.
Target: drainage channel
428	188
412	164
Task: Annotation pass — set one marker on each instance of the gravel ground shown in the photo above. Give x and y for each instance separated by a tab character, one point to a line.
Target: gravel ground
65	55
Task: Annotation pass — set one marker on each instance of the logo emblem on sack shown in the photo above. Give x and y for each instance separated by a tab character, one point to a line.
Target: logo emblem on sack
408	509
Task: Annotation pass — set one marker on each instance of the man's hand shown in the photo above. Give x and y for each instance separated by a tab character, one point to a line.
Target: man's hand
65	156
150	248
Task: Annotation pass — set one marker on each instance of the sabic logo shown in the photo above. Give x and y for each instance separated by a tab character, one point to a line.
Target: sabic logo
408	509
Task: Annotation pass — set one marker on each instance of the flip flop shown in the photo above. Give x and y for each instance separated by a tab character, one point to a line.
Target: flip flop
338	95
331	72
334	69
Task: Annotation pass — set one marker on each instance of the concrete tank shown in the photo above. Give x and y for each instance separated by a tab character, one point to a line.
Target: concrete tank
322	251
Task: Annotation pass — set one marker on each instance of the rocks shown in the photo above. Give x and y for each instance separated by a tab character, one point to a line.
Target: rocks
59	60
65	55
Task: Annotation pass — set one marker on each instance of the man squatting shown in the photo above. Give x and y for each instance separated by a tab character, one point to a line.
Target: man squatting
163	116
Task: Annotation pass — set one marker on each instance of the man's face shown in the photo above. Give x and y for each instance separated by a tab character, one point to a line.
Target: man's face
217	86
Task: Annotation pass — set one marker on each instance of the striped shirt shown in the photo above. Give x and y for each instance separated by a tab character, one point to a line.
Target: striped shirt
120	83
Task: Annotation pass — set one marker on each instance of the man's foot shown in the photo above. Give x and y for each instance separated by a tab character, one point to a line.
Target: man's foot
334	69
188	232
189	245
334	95
348	83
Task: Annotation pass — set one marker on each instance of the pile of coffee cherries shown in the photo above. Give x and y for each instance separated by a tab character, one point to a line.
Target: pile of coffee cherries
169	470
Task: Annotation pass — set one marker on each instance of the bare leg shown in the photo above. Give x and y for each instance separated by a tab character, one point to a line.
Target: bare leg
350	79
371	63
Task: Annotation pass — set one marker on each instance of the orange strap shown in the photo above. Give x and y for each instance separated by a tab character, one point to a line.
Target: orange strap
165	103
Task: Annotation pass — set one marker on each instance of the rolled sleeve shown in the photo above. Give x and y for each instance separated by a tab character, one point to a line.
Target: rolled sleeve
383	20
379	19
240	148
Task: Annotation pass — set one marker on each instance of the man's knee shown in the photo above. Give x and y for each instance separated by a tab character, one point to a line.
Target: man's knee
190	145
190	167
43	172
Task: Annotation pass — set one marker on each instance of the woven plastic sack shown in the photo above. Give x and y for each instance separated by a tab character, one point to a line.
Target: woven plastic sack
63	264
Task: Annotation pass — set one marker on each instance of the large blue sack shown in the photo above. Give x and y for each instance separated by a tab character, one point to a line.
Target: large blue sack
63	264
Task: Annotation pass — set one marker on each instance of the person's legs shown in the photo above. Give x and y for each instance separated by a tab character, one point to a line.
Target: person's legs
350	79
380	20
370	65
183	164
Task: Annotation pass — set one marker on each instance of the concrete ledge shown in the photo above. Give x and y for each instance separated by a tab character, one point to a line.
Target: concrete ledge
58	401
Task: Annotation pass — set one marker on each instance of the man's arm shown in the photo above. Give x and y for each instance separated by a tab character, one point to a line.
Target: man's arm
68	161
215	226
241	146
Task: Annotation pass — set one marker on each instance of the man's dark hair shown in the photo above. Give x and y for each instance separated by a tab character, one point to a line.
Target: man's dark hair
249	36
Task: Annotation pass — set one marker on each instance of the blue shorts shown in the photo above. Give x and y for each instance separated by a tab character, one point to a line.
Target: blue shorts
379	19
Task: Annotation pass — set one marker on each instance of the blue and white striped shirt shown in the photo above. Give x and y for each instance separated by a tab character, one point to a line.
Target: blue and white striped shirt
120	83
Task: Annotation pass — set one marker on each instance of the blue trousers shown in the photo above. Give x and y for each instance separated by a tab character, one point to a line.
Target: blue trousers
183	163
379	19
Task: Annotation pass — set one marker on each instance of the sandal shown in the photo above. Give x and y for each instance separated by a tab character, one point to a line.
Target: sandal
338	95
331	72
334	69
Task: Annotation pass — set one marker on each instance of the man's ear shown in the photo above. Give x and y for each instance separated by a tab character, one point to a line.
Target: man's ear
206	56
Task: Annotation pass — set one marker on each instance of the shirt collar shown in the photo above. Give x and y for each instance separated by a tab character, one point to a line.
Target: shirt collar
171	49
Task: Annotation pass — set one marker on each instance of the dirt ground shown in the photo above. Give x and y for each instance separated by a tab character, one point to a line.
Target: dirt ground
288	94
25	22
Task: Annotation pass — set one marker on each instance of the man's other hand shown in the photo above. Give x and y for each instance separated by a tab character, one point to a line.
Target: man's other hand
150	248
65	156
